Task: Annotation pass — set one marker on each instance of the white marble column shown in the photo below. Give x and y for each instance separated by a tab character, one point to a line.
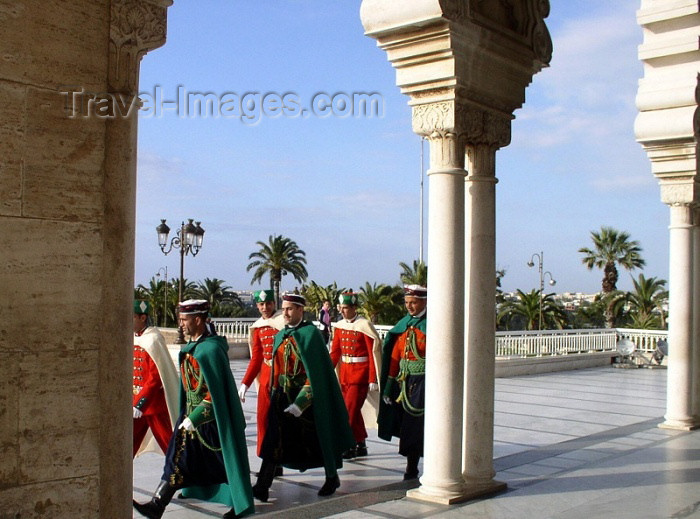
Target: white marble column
480	296
679	398
695	343
442	472
465	67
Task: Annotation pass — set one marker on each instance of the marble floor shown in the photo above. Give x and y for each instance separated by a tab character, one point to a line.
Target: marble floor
569	445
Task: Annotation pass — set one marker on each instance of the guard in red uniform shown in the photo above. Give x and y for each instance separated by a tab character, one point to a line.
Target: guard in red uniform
155	385
260	341
356	346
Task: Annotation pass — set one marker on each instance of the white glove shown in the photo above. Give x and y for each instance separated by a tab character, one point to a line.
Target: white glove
241	392
373	386
387	400
137	413
293	410
187	424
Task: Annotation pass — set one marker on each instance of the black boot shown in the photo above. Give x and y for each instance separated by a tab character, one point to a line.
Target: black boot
361	449
231	514
156	506
261	489
349	454
411	467
329	486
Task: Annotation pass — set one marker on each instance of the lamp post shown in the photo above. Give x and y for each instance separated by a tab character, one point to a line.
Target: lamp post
165	295
540	261
189	240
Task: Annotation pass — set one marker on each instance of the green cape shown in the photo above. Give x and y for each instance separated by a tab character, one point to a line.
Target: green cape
330	413
387	421
211	354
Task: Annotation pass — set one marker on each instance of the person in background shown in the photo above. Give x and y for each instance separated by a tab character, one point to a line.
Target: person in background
324	317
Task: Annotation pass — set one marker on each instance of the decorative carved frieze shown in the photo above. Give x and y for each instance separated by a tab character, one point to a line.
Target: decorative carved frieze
136	27
471	124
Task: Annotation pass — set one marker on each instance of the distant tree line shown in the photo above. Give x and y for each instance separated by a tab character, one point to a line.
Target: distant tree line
643	307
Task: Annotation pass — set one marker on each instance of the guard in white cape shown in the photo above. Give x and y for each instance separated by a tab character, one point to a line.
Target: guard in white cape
356	350
260	341
155	384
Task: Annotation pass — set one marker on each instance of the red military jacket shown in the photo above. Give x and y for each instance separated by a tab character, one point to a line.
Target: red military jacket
261	343
401	349
356	346
149	396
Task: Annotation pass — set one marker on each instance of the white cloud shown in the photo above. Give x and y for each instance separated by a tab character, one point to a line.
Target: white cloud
153	168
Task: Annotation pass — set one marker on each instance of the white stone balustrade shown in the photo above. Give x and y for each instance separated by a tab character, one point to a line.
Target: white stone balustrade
512	343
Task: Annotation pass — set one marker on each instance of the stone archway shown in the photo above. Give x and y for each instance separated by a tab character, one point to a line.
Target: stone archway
67	209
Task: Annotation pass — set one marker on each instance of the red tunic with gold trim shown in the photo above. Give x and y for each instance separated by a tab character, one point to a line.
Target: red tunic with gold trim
356	346
262	337
149	398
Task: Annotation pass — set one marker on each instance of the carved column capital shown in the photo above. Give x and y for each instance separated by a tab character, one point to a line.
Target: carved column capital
472	125
136	27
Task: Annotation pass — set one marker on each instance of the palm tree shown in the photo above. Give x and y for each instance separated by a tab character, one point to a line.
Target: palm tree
647	303
527	307
316	294
611	248
153	293
381	304
279	257
222	299
500	273
415	275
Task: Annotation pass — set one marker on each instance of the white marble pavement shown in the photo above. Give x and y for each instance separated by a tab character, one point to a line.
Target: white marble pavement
569	445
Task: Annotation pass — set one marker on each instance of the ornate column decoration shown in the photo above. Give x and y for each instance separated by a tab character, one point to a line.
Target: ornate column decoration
667	127
465	65
136	27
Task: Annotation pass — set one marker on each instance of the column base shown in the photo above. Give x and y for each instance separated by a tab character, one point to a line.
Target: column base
679	425
469	491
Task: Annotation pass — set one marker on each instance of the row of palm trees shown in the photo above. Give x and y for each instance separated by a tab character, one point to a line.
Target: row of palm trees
382	303
644	308
163	297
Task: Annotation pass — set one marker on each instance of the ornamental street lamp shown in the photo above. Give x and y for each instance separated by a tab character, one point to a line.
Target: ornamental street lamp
165	294
189	240
540	261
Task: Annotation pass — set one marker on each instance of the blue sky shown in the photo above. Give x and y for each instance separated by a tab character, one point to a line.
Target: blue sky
346	189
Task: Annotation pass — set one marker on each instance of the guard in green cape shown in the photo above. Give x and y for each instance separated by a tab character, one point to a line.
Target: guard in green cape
402	381
307	421
207	455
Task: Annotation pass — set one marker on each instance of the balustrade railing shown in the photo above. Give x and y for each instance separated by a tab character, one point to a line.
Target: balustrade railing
512	343
235	328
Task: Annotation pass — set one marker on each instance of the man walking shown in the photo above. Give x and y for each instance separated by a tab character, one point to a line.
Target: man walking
402	380
307	421
260	340
155	386
207	455
356	346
